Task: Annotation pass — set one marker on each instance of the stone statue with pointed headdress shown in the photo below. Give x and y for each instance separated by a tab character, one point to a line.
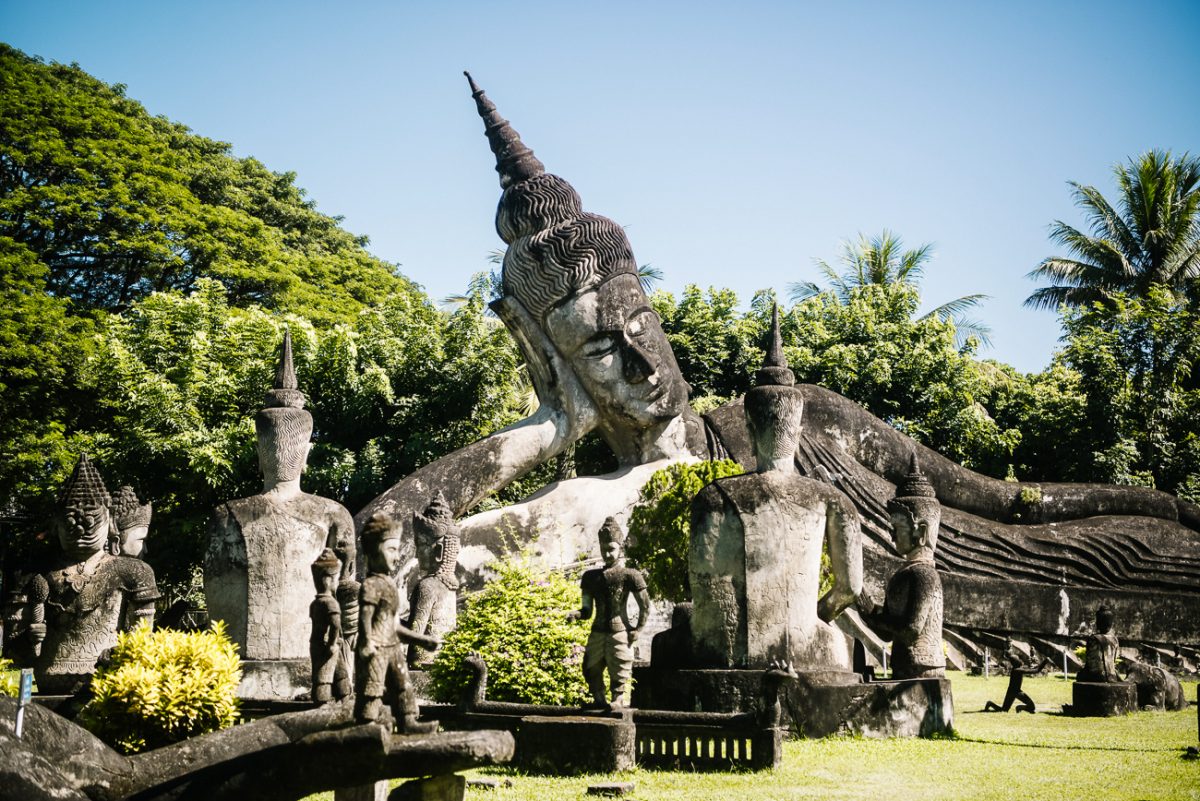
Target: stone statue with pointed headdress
256	569
433	609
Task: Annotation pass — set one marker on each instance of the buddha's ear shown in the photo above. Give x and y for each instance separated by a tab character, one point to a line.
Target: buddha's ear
921	533
536	347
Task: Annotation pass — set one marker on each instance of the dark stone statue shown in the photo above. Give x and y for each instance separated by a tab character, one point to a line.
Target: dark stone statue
1100	661
65	618
330	673
673	648
607	591
433	609
912	611
381	669
1016	677
1157	688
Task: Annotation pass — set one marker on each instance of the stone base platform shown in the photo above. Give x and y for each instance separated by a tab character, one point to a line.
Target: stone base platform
275	680
575	744
1102	699
816	704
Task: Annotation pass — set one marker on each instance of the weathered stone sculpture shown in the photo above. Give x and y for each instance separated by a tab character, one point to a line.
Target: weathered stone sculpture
755	558
71	614
607	591
1100	662
132	523
1157	688
1016	677
1098	690
912	612
256	570
330	674
433	609
381	670
345	548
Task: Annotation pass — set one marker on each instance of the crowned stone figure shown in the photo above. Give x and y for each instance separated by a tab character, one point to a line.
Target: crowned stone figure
330	674
132	519
433	609
68	616
755	559
256	569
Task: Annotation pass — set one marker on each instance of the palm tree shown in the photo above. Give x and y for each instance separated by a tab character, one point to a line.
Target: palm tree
1151	237
882	261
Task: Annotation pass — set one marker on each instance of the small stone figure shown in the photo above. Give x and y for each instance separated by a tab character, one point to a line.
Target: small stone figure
132	520
1016	676
434	603
610	645
330	677
1100	663
381	671
345	548
912	611
72	613
673	648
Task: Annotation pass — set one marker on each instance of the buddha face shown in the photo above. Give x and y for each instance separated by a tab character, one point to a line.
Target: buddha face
612	554
133	541
429	553
613	339
83	530
385	557
283	444
912	534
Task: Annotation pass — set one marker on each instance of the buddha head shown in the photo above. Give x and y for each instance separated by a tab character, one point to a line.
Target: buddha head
575	274
325	572
132	523
916	515
83	523
438	540
283	426
773	408
381	544
1104	620
612	543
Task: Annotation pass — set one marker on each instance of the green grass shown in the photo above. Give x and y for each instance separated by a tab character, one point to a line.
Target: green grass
994	756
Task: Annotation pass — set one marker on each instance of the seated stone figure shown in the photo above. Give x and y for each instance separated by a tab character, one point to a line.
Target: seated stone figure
433	609
1100	661
911	615
256	569
756	540
69	615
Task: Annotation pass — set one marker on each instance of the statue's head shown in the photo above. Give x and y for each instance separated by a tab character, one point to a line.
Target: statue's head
437	538
575	274
83	523
381	544
916	514
612	542
283	426
774	408
325	571
132	520
1104	619
345	548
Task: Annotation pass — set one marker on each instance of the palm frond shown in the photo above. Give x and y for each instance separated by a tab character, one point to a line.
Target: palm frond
648	276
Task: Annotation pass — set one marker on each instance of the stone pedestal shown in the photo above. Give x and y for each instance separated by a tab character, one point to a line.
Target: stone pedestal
575	744
275	679
375	791
450	787
1103	699
816	704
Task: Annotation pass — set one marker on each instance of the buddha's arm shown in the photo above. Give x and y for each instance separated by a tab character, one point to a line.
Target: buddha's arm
844	540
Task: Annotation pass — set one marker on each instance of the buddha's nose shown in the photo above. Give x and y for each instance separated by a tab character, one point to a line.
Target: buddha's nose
638	364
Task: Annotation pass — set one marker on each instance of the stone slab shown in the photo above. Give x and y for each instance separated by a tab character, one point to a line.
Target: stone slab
451	787
1102	699
375	791
566	745
275	679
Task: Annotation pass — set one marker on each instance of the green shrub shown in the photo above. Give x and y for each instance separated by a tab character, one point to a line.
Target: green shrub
10	678
659	530
161	687
518	624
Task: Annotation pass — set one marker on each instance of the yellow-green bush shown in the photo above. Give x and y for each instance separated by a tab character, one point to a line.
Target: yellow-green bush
161	687
10	682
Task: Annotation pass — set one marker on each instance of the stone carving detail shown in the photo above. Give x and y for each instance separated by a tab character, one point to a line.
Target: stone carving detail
381	669
64	619
1100	662
330	673
132	523
606	591
433	610
912	611
756	543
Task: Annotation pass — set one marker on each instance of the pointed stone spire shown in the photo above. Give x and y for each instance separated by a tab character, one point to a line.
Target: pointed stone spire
916	484
285	392
514	161
775	369
85	488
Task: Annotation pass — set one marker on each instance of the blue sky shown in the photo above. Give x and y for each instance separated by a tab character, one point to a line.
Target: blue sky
736	144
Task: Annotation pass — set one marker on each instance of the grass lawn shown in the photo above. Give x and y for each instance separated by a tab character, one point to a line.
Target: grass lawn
994	756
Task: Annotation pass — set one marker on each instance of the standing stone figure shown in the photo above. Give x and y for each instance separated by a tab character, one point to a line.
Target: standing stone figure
606	591
132	520
755	559
434	604
381	672
1100	662
330	677
72	613
912	612
345	548
256	569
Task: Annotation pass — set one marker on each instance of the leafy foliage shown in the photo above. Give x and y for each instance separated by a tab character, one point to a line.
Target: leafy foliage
518	624
10	678
161	687
659	528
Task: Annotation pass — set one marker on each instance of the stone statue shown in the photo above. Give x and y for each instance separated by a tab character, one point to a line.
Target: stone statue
1016	677
606	591
673	648
1100	662
256	569
912	613
345	548
433	609
381	671
330	676
72	612
755	558
132	524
